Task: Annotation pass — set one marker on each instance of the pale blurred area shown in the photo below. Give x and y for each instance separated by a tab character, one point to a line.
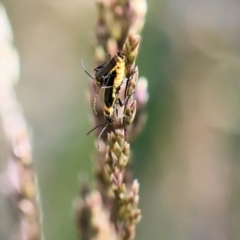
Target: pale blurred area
187	157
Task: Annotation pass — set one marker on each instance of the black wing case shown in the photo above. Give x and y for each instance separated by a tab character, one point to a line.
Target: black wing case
108	92
104	69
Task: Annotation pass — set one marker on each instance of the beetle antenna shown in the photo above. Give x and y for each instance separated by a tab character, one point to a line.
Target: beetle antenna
96	127
86	70
95	100
100	134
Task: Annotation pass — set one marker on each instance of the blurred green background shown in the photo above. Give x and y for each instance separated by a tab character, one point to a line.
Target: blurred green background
187	157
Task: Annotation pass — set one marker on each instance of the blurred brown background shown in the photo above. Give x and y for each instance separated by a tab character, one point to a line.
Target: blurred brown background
187	157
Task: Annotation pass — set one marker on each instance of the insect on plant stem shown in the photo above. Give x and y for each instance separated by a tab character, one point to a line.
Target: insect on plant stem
111	83
104	72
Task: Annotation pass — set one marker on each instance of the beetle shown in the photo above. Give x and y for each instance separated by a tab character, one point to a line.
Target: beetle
111	98
110	74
